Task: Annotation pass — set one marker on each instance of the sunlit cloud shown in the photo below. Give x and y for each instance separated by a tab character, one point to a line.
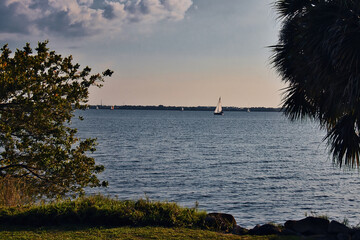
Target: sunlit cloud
80	18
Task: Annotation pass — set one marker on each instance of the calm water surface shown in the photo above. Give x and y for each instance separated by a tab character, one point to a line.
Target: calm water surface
259	167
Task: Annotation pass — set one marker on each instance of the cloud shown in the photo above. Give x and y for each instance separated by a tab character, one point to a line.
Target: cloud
11	20
76	18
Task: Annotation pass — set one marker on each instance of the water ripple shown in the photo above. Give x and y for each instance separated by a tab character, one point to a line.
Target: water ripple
260	167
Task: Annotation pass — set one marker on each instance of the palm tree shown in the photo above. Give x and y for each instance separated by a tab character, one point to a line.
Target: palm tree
318	56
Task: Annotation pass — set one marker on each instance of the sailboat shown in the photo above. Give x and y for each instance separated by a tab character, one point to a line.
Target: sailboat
218	109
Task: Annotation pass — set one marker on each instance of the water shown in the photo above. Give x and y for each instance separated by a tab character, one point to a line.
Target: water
259	167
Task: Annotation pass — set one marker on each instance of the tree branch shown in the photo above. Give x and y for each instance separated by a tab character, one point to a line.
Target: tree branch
30	169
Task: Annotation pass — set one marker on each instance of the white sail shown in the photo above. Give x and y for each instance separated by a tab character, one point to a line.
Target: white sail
218	108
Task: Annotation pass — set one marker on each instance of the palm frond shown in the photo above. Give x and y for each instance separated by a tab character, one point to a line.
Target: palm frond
344	142
289	8
318	56
296	105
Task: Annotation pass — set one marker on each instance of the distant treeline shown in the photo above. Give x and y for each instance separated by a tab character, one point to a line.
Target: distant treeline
173	108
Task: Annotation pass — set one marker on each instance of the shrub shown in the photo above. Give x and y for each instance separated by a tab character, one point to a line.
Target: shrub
14	191
103	211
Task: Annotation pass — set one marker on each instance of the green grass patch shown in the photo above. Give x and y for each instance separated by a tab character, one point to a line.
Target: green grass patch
99	217
129	233
103	211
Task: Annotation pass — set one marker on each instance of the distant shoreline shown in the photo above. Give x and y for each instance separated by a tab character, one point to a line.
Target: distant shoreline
176	108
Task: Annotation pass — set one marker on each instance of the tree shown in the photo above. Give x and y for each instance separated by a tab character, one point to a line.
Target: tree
38	96
318	56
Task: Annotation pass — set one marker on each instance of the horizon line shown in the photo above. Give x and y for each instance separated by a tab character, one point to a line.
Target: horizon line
167	106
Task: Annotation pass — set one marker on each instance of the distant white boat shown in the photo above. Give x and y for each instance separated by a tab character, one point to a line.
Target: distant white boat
112	107
248	110
182	109
218	109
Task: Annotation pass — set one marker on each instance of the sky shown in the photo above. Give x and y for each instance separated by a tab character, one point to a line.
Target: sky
162	52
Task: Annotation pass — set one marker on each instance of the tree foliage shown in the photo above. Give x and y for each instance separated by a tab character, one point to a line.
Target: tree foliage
38	95
318	56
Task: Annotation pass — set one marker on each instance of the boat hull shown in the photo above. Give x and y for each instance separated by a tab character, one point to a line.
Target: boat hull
219	113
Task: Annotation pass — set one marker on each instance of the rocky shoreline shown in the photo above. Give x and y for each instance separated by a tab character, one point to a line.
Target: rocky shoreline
311	227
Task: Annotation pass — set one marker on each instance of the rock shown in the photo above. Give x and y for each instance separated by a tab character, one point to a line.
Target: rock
336	227
220	221
355	235
288	232
322	237
343	236
308	226
240	230
266	229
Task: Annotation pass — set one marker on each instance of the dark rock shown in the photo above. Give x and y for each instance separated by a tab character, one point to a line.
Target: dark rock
336	227
343	236
266	229
240	230
322	237
288	232
308	226
220	221
355	235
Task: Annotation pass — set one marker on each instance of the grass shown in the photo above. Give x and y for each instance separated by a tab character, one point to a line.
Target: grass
128	233
102	211
99	217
